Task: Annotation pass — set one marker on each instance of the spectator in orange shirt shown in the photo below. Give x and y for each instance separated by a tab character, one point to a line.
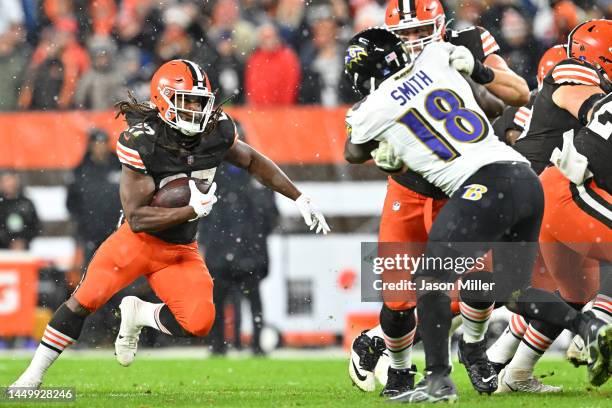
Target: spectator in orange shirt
92	17
272	75
55	69
103	14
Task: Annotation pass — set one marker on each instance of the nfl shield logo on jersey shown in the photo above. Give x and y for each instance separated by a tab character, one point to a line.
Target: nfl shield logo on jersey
190	160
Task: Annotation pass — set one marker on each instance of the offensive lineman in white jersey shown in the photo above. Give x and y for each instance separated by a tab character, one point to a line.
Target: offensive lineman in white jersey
426	112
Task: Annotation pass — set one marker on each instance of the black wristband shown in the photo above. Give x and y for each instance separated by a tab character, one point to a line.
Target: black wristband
586	107
481	73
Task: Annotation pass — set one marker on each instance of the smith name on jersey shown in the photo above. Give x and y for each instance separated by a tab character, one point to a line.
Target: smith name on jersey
150	146
481	44
429	115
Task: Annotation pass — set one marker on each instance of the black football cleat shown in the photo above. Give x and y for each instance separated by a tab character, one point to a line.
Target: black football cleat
480	370
597	336
436	387
365	353
399	381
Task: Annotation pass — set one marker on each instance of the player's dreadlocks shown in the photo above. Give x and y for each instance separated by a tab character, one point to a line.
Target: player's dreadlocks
131	105
147	110
216	114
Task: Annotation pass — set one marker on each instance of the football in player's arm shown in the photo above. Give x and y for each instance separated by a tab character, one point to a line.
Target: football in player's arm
137	189
178	134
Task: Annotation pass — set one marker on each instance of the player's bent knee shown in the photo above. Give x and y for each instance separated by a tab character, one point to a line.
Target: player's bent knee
201	319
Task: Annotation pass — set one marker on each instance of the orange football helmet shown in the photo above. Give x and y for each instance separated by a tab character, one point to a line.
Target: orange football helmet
591	41
551	57
181	91
417	22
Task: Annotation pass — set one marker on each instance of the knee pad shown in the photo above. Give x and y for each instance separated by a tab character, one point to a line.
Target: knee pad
397	323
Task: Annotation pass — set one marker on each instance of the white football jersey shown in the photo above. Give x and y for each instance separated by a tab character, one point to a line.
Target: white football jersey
431	118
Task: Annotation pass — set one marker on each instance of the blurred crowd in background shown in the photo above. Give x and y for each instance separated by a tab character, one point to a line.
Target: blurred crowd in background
85	54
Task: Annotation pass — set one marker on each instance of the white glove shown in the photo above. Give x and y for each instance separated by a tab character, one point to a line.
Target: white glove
384	156
462	60
312	215
200	202
569	161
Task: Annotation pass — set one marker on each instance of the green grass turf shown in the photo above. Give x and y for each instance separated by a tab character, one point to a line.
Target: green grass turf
252	382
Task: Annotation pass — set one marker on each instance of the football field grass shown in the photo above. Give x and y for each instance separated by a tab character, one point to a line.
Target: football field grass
259	382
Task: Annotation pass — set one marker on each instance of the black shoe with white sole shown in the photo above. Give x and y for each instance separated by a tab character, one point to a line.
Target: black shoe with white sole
399	381
365	353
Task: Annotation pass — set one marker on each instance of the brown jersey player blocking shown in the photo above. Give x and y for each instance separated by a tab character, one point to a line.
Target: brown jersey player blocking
576	229
178	135
520	340
381	68
573	240
512	122
411	203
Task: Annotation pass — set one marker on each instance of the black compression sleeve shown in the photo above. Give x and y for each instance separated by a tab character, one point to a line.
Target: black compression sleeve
586	107
482	74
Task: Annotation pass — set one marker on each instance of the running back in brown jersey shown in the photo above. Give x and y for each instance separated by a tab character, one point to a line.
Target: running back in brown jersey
150	146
